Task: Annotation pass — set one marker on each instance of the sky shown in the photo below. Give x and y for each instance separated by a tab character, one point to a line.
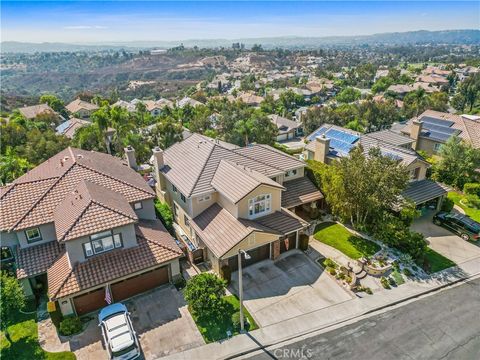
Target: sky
123	21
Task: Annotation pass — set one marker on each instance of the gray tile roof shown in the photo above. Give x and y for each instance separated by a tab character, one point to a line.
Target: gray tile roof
282	221
284	125
391	137
424	190
299	191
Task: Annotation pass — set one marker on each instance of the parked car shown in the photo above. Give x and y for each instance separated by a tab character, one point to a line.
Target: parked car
118	335
462	225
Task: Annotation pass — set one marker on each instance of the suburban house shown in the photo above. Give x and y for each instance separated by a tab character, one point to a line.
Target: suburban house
432	129
227	198
70	127
250	99
188	101
83	224
31	112
330	143
287	129
81	109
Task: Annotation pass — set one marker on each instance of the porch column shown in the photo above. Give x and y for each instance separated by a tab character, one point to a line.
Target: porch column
440	202
297	236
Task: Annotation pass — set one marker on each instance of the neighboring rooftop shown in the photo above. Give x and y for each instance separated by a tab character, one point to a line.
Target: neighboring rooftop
391	137
69	127
77	105
342	140
424	190
284	125
31	112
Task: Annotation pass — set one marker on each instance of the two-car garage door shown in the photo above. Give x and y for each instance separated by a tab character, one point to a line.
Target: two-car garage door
121	290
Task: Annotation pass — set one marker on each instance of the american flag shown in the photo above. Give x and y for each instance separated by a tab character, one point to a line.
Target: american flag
287	243
108	297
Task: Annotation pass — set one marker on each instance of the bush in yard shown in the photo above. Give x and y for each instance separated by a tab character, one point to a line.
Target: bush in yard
368	291
330	263
12	300
447	204
236	320
391	281
226	274
331	271
204	293
164	213
385	282
472	188
473	201
70	326
407	272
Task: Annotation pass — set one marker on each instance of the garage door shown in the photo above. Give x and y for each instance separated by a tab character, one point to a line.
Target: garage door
288	245
89	302
258	254
138	284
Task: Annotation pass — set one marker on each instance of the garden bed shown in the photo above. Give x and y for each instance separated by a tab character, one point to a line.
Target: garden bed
338	237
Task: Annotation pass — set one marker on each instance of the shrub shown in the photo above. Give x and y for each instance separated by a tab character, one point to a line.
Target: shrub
385	282
70	326
391	281
472	188
473	201
330	263
447	205
180	283
226	274
332	271
236	320
396	265
368	291
407	272
348	279
164	213
204	295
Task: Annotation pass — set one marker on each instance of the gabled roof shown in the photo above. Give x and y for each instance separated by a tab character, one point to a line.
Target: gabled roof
32	198
90	209
35	260
424	190
284	125
391	137
342	140
31	112
245	180
191	164
77	105
299	191
155	247
69	127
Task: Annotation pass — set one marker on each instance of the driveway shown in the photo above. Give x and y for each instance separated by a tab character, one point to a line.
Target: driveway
160	318
288	287
445	242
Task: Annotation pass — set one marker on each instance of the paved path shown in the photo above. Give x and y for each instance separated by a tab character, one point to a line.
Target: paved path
316	320
441	326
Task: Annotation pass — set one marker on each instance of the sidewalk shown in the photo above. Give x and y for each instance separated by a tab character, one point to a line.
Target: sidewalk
325	317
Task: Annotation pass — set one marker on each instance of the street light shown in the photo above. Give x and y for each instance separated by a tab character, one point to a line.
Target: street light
240	285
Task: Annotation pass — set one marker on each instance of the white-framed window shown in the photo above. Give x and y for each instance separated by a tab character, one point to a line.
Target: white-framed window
33	235
437	146
204	198
290	173
102	242
174	188
259	205
138	205
184	199
186	220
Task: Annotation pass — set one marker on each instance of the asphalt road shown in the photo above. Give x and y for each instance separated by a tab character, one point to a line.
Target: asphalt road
445	325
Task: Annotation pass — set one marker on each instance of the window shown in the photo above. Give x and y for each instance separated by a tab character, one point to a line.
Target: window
291	173
186	220
138	205
174	188
102	242
33	235
414	174
204	198
183	197
436	146
6	253
259	205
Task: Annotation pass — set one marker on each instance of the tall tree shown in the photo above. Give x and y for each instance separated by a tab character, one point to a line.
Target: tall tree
12	300
166	133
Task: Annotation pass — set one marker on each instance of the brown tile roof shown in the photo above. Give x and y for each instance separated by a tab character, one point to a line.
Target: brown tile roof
221	231
90	209
191	164
32	198
284	125
469	129
245	180
77	105
299	191
283	221
34	260
73	125
31	112
155	247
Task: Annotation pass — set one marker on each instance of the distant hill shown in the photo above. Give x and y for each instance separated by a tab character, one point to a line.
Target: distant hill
460	37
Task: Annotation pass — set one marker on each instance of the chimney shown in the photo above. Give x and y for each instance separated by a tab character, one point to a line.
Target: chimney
415	131
130	155
157	166
322	147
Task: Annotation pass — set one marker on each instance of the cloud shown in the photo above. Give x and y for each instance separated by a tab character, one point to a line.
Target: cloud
85	27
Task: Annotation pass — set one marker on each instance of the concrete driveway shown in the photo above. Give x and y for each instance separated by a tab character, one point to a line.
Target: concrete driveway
160	318
288	287
445	242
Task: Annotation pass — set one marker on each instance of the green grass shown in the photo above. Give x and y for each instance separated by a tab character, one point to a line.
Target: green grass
397	277
337	236
25	346
214	329
437	261
472	212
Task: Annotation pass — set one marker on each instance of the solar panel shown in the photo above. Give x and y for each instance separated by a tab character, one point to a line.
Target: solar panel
442	129
319	132
341	146
435	121
391	155
342	136
439	135
62	127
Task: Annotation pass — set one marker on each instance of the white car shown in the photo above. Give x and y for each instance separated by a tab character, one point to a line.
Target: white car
118	335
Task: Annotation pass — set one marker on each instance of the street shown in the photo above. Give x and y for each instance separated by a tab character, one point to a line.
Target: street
445	325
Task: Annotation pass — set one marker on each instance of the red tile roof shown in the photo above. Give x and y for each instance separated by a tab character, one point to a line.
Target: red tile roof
35	260
155	247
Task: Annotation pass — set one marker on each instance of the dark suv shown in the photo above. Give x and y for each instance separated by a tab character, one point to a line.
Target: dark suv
462	225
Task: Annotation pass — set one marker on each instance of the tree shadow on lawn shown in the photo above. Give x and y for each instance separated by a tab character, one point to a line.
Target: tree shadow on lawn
364	246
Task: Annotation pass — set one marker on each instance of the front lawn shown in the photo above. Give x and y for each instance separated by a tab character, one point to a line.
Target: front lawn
213	329
335	235
25	346
436	261
457	199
